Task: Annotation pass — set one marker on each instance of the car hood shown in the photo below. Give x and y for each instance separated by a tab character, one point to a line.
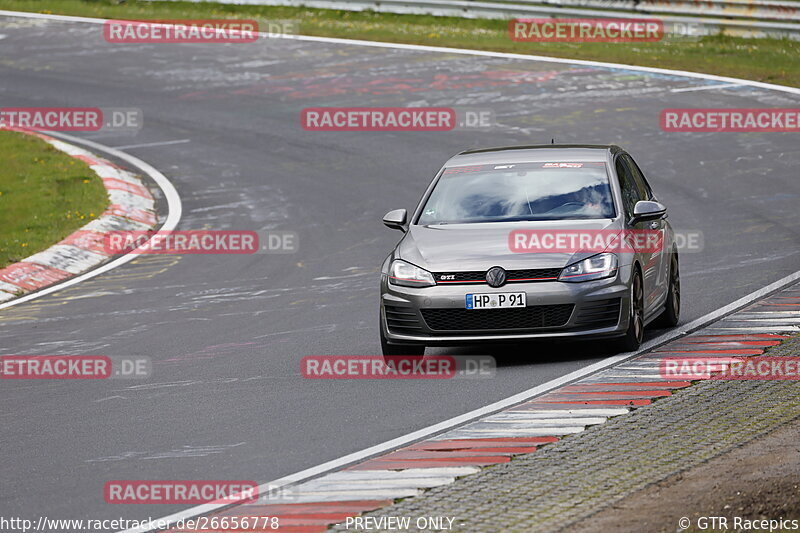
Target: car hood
466	247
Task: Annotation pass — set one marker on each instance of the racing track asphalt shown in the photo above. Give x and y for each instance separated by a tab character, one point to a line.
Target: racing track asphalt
226	333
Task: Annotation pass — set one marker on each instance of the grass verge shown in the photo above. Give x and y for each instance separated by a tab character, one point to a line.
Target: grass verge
44	196
767	60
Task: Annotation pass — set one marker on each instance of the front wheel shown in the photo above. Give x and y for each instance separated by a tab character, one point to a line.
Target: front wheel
672	310
632	339
399	349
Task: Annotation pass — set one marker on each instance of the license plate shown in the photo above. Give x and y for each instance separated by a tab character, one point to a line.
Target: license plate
496	300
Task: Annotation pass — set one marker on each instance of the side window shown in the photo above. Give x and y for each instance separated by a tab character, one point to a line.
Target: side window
630	194
645	192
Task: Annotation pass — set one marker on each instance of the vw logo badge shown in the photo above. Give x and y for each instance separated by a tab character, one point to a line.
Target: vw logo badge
496	277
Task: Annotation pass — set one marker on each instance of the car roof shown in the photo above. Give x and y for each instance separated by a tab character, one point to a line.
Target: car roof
534	153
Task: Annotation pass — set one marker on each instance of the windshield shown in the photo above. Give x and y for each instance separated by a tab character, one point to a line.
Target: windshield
520	191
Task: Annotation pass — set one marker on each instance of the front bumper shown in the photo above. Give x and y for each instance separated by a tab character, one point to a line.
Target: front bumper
404	311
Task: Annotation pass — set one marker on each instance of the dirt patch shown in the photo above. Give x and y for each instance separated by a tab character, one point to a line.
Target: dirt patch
760	480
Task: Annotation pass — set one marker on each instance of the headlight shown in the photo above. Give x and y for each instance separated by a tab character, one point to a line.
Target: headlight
597	267
408	275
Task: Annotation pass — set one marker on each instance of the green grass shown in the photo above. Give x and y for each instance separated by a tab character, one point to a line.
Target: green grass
44	196
767	60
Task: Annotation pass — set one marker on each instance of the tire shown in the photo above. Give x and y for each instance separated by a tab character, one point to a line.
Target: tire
399	349
632	339
672	311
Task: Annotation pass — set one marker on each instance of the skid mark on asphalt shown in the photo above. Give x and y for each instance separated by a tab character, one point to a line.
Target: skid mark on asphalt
113	283
323	328
68	347
223	386
186	451
192	296
350	73
209	352
262	204
344	276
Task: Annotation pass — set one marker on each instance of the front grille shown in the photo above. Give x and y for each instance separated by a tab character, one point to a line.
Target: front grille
598	314
513	276
402	319
534	274
534	317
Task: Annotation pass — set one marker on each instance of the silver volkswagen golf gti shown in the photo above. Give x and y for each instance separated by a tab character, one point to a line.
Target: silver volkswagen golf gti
530	242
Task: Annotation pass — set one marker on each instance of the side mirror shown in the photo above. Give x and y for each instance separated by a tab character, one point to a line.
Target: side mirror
396	219
645	210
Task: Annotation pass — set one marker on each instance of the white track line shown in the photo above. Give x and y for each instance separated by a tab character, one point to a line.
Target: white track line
173	215
308	473
148	145
705	88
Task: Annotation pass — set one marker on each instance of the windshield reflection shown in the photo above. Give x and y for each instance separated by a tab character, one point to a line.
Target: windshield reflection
521	191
